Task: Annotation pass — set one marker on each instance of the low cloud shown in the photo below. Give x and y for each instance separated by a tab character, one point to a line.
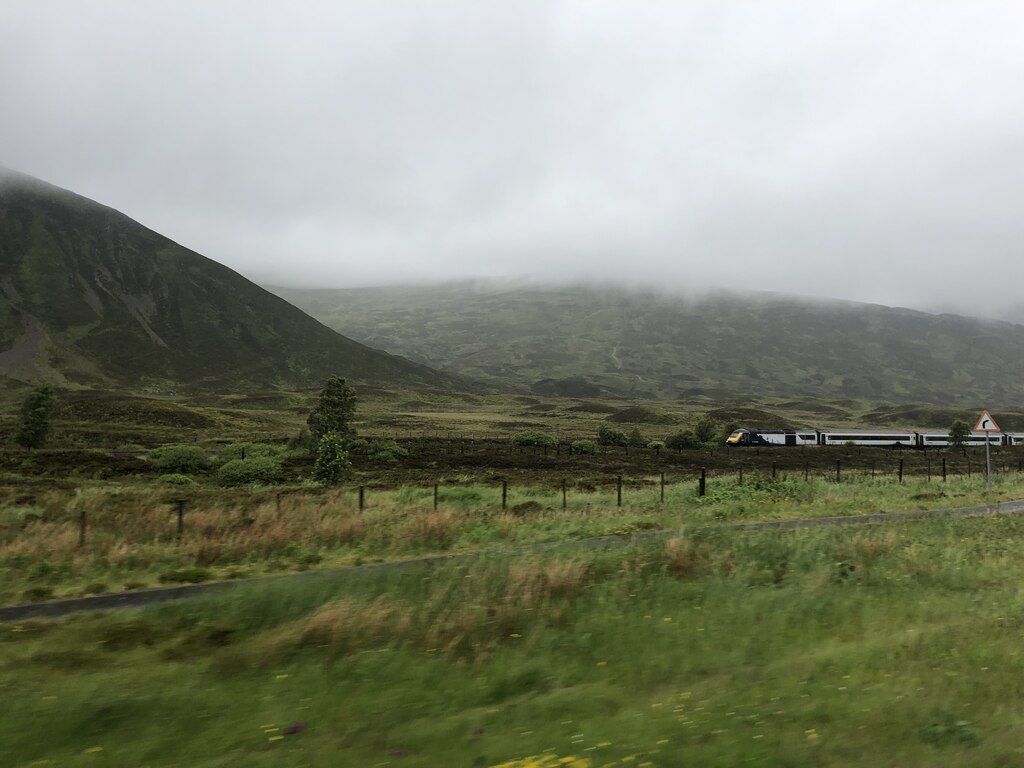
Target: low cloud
860	151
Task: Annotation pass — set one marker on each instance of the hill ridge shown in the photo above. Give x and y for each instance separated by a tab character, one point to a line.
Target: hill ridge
93	297
593	341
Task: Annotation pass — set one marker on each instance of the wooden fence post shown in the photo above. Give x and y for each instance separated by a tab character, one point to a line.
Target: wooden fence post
435	497
839	463
618	491
362	498
901	470
663	487
943	469
181	517
81	527
504	495
565	498
740	480
702	484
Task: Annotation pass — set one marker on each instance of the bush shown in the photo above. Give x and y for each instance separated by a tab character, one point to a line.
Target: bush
535	438
706	430
250	451
609	436
656	444
379	451
175	479
332	464
303	440
259	469
685	440
636	440
584	447
386	452
179	458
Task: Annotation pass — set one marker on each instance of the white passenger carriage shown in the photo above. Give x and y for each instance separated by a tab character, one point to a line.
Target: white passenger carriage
941	439
870	437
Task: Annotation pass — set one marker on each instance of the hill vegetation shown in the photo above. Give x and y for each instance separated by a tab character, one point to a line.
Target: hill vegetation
587	342
89	297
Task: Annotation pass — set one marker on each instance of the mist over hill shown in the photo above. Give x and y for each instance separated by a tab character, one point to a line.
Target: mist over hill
91	297
580	342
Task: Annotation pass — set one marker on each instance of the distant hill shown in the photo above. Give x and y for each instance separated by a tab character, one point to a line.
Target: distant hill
90	297
585	342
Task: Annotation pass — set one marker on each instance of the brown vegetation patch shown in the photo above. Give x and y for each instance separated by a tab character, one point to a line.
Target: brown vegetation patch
638	414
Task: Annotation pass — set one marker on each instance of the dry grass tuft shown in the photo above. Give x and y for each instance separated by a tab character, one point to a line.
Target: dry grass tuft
430	528
343	626
682	557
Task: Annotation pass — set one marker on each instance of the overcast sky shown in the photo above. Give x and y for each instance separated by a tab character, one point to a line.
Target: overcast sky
862	150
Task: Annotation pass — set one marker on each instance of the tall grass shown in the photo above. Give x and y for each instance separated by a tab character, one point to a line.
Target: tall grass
132	540
717	647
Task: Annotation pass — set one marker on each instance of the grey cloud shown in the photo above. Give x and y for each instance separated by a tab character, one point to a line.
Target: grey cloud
861	150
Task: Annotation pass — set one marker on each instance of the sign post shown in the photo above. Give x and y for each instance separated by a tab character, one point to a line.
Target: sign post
987	425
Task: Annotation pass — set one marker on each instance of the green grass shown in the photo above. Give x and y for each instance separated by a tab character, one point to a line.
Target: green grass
896	646
131	534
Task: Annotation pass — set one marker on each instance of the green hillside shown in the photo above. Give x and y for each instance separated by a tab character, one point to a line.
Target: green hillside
90	297
586	342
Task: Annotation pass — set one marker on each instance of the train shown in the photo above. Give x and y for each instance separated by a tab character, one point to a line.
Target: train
877	438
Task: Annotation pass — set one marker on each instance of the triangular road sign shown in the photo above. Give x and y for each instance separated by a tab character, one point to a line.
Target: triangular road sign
986	423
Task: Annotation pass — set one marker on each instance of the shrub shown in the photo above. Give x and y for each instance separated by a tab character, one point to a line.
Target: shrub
250	451
609	436
387	452
332	464
379	451
303	440
706	429
176	479
179	458
585	447
636	440
656	444
34	427
259	469
682	441
534	437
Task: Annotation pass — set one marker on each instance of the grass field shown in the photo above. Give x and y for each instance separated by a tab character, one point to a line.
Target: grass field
131	534
891	646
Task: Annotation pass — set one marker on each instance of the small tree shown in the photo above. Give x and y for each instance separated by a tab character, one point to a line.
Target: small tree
636	440
958	433
332	464
535	438
610	436
682	441
334	410
34	427
706	429
179	458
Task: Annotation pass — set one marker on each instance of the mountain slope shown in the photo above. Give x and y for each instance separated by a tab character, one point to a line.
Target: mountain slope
584	341
89	296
